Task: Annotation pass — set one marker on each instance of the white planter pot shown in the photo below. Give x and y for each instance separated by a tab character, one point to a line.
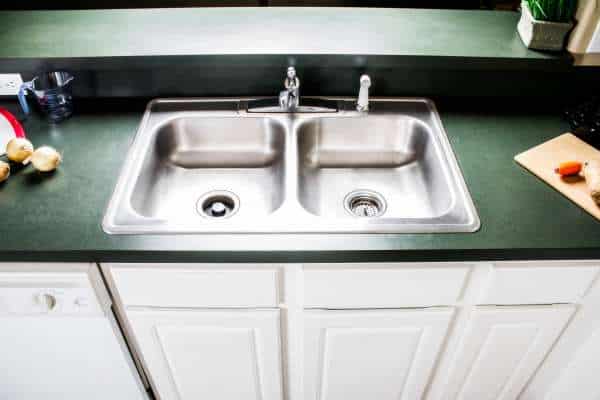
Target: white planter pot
542	35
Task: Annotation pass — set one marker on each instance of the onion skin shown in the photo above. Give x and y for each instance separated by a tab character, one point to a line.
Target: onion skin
4	171
19	150
45	159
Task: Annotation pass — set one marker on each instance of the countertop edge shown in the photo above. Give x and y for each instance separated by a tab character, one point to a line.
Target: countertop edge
299	257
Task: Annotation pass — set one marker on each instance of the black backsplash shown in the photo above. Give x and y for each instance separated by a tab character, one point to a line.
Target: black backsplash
245	75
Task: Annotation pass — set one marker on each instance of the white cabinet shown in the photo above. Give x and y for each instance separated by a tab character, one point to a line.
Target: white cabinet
371	354
388	331
210	354
501	348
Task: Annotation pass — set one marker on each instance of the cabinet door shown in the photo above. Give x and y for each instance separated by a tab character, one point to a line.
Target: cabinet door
502	348
210	354
371	354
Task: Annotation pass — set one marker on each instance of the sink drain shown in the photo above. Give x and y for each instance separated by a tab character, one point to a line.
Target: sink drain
364	203
218	204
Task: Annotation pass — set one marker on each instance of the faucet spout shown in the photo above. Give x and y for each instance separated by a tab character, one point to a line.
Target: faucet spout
362	104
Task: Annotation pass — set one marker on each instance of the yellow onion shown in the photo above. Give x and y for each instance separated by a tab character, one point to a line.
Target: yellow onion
19	149
45	159
4	171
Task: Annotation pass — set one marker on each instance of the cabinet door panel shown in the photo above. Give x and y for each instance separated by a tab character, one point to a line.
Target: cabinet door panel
363	286
502	348
579	380
372	354
515	283
196	285
217	355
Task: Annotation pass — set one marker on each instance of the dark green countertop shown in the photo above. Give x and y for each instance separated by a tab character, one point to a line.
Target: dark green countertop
57	218
113	38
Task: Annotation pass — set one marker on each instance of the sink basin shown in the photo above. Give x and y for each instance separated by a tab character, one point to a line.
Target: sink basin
192	158
391	158
201	166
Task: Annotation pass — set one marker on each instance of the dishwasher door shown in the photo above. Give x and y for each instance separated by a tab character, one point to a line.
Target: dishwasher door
59	339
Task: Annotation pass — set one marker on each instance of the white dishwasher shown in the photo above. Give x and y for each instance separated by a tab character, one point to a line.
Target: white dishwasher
59	338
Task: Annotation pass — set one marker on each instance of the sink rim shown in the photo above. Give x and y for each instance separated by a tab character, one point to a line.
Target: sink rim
121	218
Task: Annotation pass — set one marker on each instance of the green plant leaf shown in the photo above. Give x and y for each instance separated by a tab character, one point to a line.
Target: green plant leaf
552	10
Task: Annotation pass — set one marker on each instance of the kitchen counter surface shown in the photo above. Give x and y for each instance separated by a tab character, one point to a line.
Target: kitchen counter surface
57	217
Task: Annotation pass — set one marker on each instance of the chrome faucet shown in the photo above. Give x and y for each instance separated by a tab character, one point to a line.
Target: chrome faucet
289	99
362	103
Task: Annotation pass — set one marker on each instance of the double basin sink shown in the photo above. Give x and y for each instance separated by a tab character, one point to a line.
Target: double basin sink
217	166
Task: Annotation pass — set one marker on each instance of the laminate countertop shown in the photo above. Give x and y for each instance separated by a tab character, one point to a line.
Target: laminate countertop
58	217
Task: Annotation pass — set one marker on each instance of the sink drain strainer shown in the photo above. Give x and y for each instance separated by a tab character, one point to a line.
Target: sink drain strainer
218	204
364	203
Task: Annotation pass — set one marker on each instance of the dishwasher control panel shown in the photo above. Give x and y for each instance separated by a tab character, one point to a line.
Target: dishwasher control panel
47	293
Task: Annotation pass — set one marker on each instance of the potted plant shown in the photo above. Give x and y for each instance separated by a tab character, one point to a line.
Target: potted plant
544	24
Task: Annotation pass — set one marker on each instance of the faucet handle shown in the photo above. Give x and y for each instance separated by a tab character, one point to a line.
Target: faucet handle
363	94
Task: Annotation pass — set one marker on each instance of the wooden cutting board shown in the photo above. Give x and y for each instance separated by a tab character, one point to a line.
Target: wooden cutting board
542	159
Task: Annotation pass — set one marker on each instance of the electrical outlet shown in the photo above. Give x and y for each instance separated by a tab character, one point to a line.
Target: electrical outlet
10	84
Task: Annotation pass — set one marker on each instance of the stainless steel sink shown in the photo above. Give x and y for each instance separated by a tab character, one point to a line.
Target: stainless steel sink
210	166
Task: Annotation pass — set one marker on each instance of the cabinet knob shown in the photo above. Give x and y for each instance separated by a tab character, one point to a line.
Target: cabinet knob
47	301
